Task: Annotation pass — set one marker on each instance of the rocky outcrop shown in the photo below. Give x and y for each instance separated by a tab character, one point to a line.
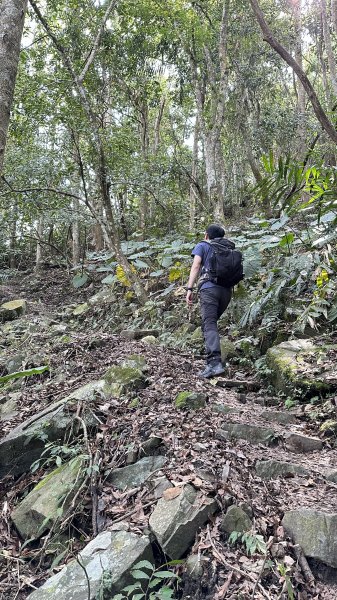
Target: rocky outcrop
296	442
25	444
175	521
315	532
107	561
49	500
294	365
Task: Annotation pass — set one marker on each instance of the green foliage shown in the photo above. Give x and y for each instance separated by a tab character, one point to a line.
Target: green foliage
253	542
26	373
150	583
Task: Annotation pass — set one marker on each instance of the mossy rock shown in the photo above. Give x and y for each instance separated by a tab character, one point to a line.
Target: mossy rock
121	380
12	310
197	335
190	400
294	364
228	349
136	361
81	309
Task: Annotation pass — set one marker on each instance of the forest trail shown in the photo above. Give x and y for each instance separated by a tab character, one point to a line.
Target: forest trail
218	448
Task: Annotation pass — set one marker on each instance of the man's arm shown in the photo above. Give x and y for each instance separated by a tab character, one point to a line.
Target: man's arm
194	272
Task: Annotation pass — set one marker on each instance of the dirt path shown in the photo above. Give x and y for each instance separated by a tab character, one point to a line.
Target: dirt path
197	443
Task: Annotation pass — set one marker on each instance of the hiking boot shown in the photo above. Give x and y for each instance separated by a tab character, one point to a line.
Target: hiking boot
212	371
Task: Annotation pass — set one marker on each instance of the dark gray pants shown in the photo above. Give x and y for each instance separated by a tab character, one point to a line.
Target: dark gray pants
213	303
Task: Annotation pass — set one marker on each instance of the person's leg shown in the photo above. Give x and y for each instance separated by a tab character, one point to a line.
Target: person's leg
210	305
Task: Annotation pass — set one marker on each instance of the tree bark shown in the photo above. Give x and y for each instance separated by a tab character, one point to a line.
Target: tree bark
194	174
12	16
12	237
316	105
76	247
301	131
39	245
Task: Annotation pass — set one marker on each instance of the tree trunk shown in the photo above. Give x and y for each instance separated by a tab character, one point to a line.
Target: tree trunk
12	238
12	16
301	129
76	246
334	14
194	174
39	246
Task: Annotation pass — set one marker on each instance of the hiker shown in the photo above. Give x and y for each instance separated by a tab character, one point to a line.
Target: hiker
220	269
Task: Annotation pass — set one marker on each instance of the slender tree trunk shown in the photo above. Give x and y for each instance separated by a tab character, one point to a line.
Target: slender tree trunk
328	47
12	237
334	14
319	48
301	130
145	143
76	246
39	246
12	16
194	174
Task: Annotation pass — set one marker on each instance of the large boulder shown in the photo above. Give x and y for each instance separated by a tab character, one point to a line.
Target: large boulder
25	444
315	532
294	364
107	561
12	310
136	474
49	500
177	518
190	400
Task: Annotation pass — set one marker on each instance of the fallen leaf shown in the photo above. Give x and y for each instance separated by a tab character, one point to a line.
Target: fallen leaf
171	493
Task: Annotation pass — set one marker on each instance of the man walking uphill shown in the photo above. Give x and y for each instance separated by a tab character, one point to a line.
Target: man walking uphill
220	266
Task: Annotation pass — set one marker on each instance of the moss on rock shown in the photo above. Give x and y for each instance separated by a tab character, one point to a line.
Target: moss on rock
190	400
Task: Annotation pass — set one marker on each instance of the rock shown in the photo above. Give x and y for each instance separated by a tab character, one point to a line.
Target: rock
81	309
15	363
293	364
224	409
136	361
284	418
190	400
270	469
136	474
296	442
197	336
12	310
121	380
331	475
149	339
194	566
251	433
8	409
137	334
175	522
329	426
315	532
151	447
235	519
105	296
50	498
25	444
158	485
107	560
228	349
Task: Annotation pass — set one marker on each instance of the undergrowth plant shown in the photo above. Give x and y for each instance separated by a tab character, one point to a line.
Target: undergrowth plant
253	542
150	583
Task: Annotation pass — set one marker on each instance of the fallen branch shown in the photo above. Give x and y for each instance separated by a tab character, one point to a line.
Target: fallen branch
303	563
251	386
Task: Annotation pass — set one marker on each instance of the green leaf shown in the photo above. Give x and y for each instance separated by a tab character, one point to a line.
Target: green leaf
154	582
137	574
144	564
165	574
286	240
26	373
79	280
109	279
58	559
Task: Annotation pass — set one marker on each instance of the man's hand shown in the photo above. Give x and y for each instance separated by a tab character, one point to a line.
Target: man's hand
189	298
